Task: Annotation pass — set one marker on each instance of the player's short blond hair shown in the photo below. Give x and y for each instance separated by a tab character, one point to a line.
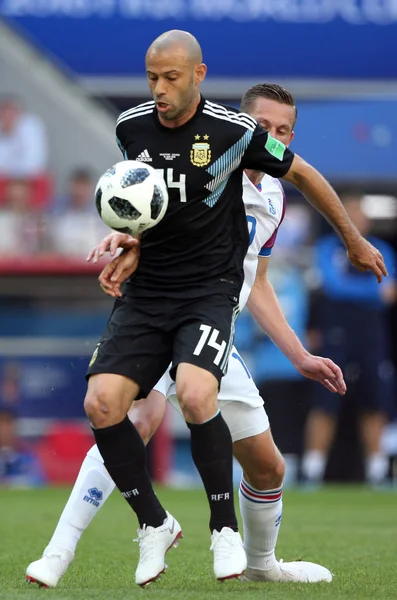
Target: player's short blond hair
273	91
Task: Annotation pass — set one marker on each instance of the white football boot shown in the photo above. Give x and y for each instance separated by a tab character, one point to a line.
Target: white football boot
230	560
154	542
49	569
298	571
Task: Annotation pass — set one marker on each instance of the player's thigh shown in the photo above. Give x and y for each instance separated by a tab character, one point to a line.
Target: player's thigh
135	344
261	460
240	401
244	421
204	338
147	414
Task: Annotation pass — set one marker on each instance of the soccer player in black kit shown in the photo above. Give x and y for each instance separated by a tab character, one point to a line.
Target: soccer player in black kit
181	303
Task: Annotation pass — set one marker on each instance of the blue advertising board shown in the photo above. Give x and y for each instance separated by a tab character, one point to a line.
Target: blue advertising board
280	38
49	387
348	140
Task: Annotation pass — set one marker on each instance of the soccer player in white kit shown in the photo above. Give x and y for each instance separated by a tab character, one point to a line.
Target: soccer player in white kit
260	493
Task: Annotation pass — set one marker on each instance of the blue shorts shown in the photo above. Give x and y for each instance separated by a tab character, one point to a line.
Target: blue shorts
369	373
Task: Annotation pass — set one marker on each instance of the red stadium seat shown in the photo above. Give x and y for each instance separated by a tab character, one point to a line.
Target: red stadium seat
42	190
62	450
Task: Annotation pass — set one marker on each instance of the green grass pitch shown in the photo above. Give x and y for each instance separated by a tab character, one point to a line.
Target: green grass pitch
352	531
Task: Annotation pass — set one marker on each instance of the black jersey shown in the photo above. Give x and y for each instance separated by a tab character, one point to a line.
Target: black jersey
200	245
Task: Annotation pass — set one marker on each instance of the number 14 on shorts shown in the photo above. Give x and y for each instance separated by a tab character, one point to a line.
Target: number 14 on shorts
209	337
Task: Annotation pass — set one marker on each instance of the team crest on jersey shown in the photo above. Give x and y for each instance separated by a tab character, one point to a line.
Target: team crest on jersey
200	154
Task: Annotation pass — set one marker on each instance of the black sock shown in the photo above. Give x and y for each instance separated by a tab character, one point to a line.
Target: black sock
124	455
212	452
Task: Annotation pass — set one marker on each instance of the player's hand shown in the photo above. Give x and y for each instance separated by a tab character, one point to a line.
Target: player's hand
323	370
110	244
117	271
365	257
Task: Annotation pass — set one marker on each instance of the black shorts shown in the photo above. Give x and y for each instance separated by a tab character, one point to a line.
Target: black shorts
143	337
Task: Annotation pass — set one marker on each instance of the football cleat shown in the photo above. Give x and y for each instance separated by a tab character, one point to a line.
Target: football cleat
154	542
299	571
230	560
49	569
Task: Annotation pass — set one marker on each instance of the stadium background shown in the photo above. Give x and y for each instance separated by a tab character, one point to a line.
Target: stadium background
76	64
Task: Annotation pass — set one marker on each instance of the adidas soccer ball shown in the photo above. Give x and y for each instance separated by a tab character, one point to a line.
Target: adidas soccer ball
131	197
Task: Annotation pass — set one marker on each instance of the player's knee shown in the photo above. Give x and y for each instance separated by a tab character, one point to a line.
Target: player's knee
279	470
276	472
269	475
96	409
100	409
197	406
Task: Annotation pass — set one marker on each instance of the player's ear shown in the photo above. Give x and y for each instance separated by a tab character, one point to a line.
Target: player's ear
200	72
291	137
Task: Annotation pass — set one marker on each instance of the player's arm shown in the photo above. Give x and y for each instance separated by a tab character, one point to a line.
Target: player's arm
122	266
264	306
269	155
117	271
111	243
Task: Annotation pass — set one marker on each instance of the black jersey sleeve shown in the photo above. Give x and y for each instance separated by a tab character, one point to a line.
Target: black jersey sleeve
121	138
267	154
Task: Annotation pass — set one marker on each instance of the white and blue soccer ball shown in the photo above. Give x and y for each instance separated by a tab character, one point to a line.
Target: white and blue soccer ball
131	197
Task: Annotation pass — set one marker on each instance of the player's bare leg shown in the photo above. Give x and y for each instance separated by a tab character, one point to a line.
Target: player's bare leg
260	497
92	488
211	447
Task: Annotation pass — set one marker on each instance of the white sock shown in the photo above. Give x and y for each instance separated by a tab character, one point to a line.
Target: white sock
376	467
92	488
261	511
314	463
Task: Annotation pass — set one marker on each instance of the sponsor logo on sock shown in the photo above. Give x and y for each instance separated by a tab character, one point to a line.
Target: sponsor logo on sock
130	493
217	497
278	520
94	496
144	156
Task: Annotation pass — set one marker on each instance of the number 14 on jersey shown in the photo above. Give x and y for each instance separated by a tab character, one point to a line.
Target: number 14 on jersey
169	179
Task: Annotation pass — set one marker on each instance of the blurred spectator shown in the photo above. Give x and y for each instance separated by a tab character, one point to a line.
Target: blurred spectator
9	399
23	141
351	327
20	227
75	226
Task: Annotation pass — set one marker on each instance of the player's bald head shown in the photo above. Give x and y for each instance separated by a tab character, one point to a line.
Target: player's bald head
178	42
175	71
